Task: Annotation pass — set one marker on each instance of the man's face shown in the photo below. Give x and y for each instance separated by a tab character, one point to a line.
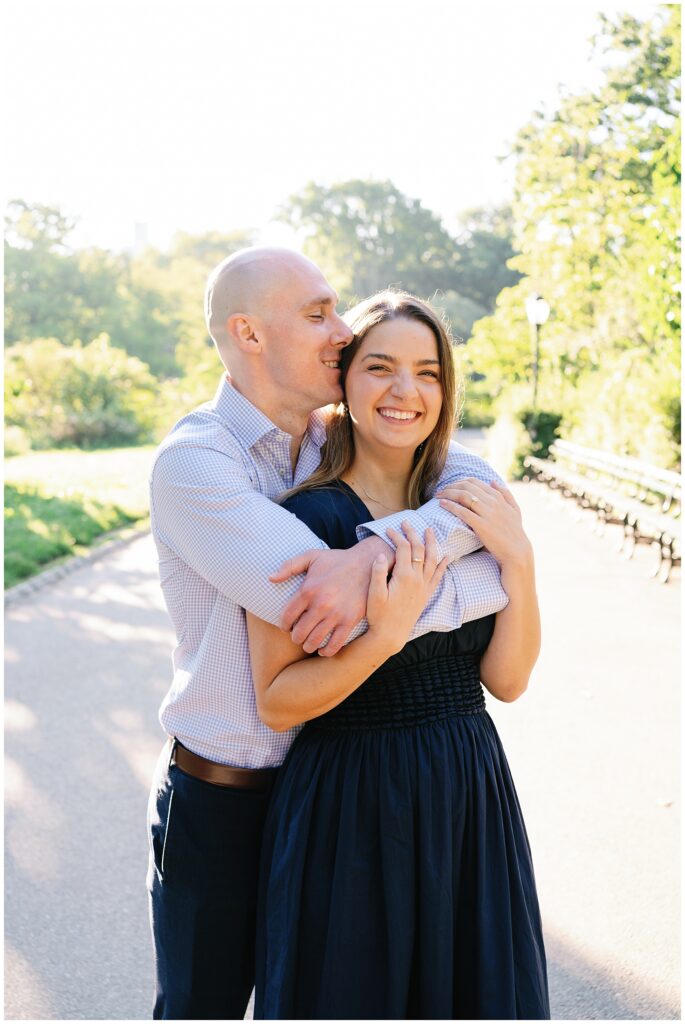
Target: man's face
303	336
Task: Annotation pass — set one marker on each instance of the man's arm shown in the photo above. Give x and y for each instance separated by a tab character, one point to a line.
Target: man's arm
470	589
206	510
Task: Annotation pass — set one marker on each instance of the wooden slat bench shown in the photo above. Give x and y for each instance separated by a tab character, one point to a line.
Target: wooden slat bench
645	500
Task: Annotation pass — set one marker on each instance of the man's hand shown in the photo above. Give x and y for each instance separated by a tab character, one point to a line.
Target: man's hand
332	599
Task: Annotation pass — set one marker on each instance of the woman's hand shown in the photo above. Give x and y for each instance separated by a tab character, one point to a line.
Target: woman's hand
394	605
493	515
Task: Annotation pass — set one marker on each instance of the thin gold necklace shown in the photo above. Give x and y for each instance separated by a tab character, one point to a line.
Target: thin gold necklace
371	498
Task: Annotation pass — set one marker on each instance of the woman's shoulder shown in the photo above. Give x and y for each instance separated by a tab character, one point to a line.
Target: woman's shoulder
331	511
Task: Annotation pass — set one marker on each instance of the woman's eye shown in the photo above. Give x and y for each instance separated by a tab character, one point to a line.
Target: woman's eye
430	373
377	367
316	316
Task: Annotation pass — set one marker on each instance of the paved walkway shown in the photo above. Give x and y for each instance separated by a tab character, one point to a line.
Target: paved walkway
593	746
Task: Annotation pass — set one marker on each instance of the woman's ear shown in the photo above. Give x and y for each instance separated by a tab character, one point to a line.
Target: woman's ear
242	332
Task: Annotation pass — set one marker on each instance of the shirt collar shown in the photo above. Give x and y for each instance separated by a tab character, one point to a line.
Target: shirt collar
316	428
249	424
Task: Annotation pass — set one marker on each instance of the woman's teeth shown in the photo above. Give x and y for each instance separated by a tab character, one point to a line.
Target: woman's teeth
395	414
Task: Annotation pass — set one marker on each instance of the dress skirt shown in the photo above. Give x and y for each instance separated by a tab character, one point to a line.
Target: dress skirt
397	879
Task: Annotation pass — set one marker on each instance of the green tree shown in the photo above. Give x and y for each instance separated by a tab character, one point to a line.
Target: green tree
41	274
484	238
53	291
37	226
596	225
485	247
367	235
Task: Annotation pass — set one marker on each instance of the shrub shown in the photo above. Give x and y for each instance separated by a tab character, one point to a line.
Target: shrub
82	395
542	428
520	432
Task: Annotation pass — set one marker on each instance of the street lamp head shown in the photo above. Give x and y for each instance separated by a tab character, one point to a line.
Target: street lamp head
537	310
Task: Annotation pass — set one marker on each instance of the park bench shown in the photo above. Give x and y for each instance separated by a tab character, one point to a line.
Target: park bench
643	499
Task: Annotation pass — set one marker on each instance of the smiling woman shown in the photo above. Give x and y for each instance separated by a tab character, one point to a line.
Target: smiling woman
413	393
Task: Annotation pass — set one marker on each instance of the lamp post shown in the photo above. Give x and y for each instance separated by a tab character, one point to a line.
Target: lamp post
537	311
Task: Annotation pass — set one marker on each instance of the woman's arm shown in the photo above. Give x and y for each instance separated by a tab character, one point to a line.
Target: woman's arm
491	511
291	688
513	650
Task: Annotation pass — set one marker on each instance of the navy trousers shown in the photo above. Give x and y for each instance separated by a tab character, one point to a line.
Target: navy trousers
202	879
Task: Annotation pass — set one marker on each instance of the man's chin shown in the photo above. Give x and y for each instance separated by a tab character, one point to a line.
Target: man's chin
334	396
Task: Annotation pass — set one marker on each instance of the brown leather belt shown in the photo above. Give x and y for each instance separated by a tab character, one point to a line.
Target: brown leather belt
257	779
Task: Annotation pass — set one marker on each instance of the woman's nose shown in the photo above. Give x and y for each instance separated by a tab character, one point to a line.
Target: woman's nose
403	385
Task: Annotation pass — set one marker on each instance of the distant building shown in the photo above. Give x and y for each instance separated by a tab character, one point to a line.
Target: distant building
140	239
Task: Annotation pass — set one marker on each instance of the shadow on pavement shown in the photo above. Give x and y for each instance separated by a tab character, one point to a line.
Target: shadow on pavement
84	681
585	989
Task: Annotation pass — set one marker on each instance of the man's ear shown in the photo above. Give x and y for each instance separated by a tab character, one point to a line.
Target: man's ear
243	331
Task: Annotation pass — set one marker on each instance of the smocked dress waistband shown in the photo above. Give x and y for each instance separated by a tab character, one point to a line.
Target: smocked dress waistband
418	694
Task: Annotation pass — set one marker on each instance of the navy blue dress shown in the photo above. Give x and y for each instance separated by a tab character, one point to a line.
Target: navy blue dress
397	879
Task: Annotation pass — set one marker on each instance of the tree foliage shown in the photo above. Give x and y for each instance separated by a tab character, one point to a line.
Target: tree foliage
484	239
150	305
367	235
53	291
79	395
596	225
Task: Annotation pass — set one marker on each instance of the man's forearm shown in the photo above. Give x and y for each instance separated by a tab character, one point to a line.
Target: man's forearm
454	538
470	589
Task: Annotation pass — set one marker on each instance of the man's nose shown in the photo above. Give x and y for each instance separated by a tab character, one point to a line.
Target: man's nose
342	335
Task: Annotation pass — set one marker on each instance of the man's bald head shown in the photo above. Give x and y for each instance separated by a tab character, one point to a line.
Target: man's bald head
272	315
247	283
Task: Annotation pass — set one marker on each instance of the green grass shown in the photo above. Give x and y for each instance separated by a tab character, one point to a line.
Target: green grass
59	502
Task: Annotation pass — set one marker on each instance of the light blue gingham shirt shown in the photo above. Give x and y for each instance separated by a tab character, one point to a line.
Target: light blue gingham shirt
219	535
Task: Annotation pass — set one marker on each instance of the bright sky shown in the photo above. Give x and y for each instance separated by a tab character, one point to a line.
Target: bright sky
207	114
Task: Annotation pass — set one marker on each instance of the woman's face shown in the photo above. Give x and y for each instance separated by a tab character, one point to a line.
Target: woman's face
393	386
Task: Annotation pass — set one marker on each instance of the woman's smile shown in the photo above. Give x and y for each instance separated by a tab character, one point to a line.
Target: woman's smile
398	415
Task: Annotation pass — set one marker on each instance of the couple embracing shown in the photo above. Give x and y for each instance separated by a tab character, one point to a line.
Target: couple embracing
332	816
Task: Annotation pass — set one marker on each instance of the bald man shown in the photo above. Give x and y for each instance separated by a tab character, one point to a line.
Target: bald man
224	546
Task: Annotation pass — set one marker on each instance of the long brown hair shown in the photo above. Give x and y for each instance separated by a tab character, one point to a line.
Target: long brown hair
337	454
